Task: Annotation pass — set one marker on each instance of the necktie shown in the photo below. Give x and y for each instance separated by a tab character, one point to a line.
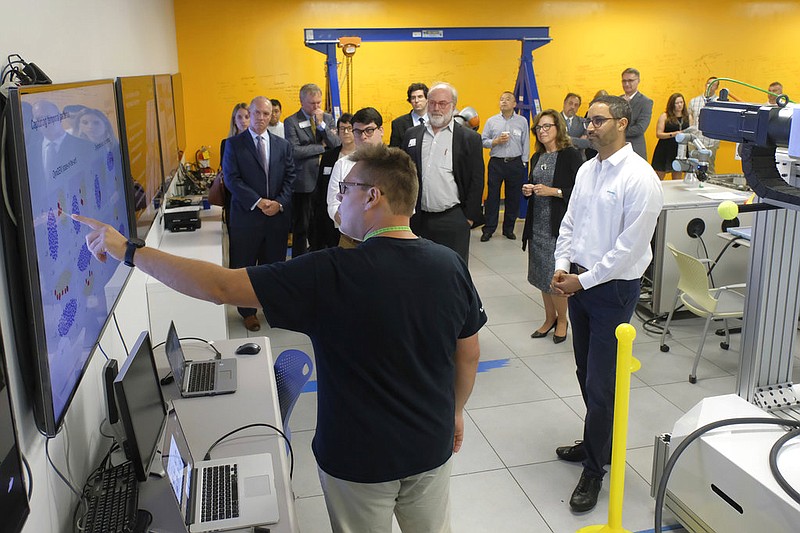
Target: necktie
262	158
422	121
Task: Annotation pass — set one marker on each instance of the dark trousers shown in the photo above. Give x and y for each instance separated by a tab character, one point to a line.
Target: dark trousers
449	228
301	217
513	174
595	314
250	247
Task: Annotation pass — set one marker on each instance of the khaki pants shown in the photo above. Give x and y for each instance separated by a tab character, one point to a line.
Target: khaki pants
421	503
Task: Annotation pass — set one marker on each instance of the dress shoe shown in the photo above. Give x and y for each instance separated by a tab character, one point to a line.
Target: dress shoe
509	235
574	454
485	237
538	334
584	497
558	339
251	323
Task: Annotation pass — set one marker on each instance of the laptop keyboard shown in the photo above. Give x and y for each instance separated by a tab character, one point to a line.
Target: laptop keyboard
220	493
113	501
201	376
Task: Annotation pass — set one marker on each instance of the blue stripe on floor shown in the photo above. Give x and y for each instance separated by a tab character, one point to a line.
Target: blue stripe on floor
673	527
483	366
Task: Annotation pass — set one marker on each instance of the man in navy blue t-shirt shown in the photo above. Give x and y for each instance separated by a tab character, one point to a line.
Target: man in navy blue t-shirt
394	323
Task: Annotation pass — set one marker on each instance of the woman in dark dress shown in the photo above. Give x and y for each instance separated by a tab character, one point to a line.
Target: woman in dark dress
551	178
674	120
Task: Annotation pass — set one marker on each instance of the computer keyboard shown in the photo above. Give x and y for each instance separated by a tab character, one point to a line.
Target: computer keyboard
220	493
113	499
201	376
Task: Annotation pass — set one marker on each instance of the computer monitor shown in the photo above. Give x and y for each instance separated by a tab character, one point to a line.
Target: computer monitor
141	405
167	132
64	159
14	507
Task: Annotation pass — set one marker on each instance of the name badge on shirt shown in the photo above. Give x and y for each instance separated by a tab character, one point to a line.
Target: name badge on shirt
517	133
326	171
305	124
412	142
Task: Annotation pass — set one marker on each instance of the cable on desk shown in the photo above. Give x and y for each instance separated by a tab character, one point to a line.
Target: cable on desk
102	351
207	456
29	474
119	332
773	464
209	343
57	471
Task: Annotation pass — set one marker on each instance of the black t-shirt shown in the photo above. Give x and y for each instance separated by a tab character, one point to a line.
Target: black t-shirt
384	319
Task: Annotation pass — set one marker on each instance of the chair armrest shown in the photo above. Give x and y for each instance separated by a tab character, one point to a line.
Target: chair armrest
731	288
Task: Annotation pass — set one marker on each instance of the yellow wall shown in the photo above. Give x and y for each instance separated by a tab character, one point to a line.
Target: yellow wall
231	51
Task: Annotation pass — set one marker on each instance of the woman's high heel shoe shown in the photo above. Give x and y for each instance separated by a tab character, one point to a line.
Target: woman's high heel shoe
557	339
538	334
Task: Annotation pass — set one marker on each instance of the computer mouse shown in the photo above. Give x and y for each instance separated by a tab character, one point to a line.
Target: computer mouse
248	348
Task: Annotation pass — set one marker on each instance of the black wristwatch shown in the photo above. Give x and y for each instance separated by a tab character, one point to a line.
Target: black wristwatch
133	245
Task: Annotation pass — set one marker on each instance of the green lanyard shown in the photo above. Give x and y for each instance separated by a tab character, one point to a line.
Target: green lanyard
385	230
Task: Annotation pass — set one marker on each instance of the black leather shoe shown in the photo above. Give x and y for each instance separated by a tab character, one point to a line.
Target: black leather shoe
574	454
584	497
485	237
510	235
558	339
538	334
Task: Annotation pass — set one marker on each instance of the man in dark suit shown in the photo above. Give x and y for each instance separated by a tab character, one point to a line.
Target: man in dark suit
54	154
259	171
450	171
575	127
641	111
418	98
310	131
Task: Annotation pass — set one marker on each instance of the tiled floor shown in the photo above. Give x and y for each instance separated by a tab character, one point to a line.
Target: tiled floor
506	478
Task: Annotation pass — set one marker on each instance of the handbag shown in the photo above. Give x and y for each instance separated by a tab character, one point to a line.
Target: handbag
216	192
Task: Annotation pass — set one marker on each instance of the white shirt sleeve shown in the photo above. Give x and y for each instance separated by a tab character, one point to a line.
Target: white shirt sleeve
337	174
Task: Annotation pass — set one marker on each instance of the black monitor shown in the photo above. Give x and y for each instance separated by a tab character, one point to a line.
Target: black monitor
136	96
14	508
141	405
64	159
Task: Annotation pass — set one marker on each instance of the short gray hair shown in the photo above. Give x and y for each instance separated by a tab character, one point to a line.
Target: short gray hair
446	86
308	89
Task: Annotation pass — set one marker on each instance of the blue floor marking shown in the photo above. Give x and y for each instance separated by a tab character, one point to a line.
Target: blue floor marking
673	527
483	366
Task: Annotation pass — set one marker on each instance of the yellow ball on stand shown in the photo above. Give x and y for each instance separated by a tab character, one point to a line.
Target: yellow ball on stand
728	210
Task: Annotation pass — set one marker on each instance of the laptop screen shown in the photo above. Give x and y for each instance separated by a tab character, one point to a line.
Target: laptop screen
175	354
178	463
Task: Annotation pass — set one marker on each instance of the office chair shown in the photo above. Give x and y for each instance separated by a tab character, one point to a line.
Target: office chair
699	297
293	368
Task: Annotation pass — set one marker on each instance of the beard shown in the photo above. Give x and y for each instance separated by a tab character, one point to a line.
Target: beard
440	121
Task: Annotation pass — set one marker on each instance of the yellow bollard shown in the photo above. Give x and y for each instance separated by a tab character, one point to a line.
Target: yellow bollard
626	364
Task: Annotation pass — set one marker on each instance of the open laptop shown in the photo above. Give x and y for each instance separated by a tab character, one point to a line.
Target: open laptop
220	494
199	378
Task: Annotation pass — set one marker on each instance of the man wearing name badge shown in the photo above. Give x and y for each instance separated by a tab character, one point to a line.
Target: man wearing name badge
418	98
641	111
259	171
367	130
603	248
311	132
575	127
507	135
449	160
387	426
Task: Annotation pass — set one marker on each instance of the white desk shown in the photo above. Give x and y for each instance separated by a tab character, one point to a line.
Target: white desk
206	419
192	317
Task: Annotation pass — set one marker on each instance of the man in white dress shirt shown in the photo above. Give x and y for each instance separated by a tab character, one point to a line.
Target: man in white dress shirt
603	249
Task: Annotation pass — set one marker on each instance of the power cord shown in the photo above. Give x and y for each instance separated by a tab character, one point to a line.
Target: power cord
119	332
207	456
57	471
209	343
673	458
29	475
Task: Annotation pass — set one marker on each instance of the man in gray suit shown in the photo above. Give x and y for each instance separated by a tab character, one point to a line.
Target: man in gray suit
641	111
575	127
311	132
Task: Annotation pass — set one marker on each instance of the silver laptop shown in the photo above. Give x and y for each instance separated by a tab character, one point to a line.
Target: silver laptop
199	378
220	494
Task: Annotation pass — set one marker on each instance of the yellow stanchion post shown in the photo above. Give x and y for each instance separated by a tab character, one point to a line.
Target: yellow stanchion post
626	364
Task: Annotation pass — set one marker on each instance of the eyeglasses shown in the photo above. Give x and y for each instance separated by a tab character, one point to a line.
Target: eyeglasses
440	103
597	122
366	132
630	80
345	129
343	185
540	127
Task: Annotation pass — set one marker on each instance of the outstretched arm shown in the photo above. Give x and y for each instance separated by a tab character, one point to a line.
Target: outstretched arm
198	279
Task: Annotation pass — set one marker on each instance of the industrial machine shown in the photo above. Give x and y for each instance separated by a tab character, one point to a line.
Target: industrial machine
735	478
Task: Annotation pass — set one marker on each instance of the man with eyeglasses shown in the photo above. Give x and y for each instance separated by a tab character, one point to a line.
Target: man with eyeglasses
449	160
394	324
418	98
603	248
641	111
310	131
367	126
506	134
